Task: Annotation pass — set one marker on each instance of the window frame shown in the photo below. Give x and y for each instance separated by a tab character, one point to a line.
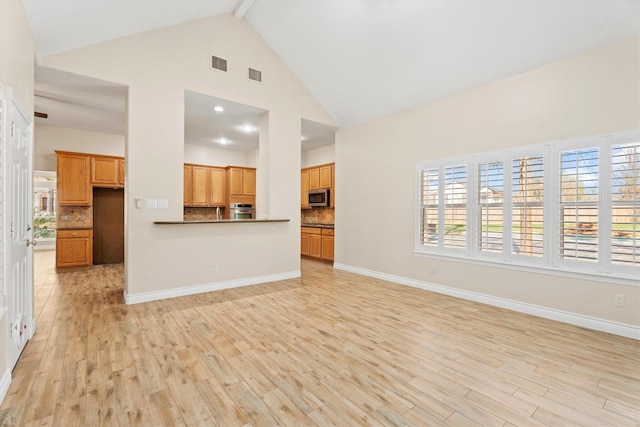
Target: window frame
551	261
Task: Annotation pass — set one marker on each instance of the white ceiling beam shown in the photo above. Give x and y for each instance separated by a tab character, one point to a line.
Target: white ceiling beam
242	8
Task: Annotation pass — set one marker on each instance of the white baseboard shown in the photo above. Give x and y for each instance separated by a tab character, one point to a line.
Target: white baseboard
208	287
597	324
5	382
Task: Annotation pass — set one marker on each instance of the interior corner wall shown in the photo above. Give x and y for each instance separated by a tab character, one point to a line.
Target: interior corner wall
17	53
49	138
158	66
594	93
319	156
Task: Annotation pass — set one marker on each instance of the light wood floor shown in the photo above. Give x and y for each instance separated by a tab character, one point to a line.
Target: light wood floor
331	348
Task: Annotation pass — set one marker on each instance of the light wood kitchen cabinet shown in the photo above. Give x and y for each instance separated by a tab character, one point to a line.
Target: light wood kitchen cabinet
200	186
186	182
74	248
325	176
218	179
304	189
105	171
121	172
304	244
241	181
74	179
314	178
317	242
327	244
332	195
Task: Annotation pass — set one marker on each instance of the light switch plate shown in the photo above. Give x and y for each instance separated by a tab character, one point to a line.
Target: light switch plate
152	203
163	203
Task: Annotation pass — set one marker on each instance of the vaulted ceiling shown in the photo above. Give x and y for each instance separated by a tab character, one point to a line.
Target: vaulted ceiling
365	59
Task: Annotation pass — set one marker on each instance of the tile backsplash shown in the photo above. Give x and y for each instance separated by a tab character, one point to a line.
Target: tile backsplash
75	217
317	216
191	214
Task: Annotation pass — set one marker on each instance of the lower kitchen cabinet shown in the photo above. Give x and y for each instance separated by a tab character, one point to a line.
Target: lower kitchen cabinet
317	242
74	248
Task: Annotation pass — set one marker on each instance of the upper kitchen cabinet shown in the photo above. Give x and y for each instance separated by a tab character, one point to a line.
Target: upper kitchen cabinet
325	176
218	188
204	186
304	188
74	179
241	181
105	171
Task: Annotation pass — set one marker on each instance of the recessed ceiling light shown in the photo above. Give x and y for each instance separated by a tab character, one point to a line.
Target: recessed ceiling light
218	108
247	128
223	141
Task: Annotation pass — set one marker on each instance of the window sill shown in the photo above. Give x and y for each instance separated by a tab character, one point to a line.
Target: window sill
539	269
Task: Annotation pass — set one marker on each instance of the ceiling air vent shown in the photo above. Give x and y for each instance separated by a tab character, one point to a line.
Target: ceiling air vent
255	75
218	63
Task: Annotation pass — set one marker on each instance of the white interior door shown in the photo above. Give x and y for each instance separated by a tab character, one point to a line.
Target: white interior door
20	216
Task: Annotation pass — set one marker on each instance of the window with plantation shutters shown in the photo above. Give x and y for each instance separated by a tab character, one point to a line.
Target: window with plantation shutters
579	204
625	204
429	215
570	206
455	206
527	206
490	206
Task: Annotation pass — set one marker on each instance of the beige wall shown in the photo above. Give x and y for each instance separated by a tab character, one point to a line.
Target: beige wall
202	155
16	72
47	139
318	156
158	67
590	94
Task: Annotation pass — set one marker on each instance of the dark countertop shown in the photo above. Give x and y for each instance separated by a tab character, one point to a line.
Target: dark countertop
221	221
316	225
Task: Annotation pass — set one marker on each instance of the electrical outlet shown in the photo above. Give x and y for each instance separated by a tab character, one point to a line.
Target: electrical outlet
618	300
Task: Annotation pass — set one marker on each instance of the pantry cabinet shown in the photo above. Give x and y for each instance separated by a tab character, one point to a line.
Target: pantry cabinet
74	248
74	179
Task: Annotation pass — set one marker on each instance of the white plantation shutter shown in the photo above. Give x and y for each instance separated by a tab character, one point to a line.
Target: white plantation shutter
490	206
579	204
455	206
625	204
429	221
527	206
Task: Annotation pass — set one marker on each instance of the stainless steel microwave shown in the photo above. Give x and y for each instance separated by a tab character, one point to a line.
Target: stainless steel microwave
319	198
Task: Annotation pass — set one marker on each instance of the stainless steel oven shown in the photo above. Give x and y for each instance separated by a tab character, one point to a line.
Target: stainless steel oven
242	211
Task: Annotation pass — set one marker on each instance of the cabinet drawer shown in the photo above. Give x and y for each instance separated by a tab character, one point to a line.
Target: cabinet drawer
327	231
69	234
311	230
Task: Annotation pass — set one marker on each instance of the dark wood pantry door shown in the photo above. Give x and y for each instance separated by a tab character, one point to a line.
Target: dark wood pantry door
108	225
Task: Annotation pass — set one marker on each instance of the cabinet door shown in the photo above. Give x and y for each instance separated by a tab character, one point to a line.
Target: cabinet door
314	178
304	189
249	182
199	186
74	248
304	244
325	176
217	187
104	171
235	184
186	181
327	247
315	246
332	195
74	180
121	172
